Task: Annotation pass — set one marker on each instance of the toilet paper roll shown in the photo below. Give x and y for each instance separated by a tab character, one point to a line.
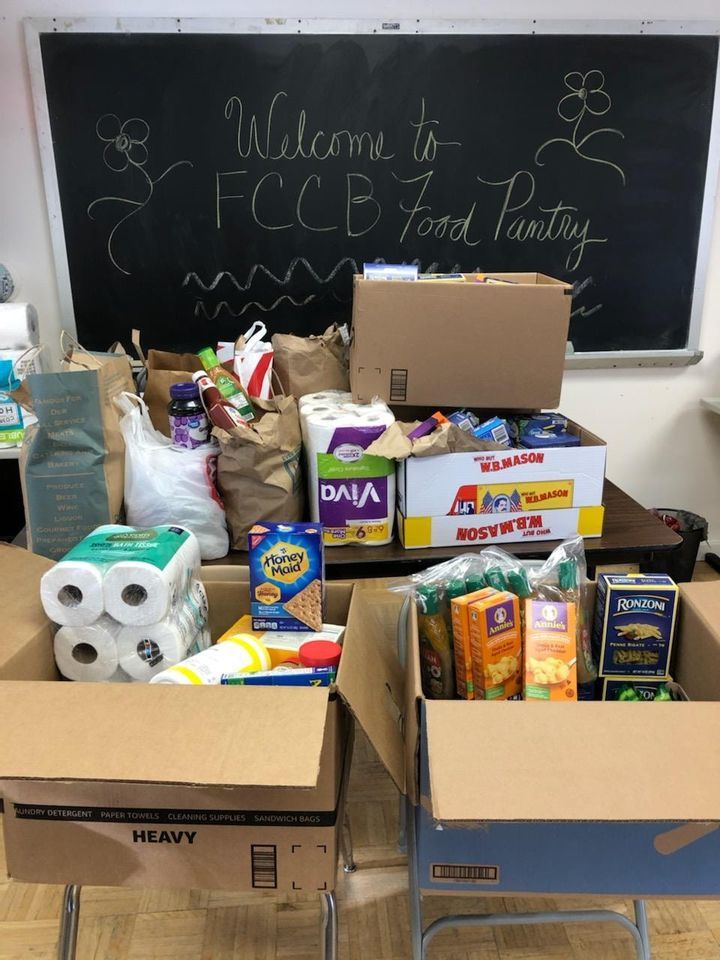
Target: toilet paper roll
145	651
88	653
71	593
138	593
324	397
352	495
18	326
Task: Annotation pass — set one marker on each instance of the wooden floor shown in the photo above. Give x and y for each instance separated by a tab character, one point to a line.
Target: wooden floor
118	924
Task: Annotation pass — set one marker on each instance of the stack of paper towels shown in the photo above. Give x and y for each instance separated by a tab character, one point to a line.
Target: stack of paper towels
129	603
351	493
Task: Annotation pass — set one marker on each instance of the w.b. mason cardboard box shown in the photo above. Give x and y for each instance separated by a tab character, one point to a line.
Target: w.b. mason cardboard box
529	798
137	785
496	496
487	346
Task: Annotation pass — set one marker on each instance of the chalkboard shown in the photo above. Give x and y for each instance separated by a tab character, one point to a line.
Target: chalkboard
207	180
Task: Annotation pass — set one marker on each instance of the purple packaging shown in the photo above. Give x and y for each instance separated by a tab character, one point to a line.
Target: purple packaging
536	439
352	494
427	426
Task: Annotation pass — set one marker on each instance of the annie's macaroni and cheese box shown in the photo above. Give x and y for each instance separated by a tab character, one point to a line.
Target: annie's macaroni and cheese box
496	644
286	576
550	651
634	624
460	612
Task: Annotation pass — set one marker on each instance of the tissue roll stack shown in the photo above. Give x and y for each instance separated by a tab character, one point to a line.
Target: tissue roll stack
160	605
351	494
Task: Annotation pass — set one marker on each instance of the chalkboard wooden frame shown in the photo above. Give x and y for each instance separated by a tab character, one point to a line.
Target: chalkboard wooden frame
36	27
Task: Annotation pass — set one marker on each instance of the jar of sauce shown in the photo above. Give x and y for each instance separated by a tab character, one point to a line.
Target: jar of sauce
189	424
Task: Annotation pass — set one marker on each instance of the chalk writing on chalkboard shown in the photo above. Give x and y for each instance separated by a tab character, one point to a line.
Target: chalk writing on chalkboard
587	96
257	173
125	147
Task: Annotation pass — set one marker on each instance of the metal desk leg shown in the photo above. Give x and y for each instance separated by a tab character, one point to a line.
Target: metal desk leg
642	924
328	927
346	841
67	941
402	826
417	945
346	846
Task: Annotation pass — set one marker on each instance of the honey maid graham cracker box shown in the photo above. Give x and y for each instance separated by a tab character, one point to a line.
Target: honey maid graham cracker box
286	576
634	624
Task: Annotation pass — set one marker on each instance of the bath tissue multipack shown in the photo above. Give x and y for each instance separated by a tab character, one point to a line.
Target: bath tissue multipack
351	494
128	602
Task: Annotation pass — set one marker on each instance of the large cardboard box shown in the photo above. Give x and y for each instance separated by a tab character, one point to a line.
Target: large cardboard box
458	483
429	344
528	798
496	496
137	785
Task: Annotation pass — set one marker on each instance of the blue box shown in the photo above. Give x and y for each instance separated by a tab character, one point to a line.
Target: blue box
287	576
634	624
650	859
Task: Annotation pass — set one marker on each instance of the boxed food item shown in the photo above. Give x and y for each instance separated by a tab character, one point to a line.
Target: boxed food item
496	644
460	612
634	689
286	576
634	624
397	353
550	651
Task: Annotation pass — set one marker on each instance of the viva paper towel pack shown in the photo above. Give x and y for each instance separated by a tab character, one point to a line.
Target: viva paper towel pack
129	603
351	493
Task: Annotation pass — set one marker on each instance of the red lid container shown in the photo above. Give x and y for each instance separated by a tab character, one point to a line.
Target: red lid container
320	653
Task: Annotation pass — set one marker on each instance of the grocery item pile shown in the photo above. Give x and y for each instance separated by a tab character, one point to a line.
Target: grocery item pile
492	627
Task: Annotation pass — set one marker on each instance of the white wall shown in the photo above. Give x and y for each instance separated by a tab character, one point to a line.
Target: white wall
663	448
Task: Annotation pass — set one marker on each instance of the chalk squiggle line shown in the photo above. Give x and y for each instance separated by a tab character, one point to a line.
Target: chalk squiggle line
192	276
201	309
260	268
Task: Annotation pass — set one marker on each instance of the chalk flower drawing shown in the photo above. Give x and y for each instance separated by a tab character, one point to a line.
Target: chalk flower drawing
125	147
587	98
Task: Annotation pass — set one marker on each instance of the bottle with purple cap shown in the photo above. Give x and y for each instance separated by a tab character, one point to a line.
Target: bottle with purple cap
189	425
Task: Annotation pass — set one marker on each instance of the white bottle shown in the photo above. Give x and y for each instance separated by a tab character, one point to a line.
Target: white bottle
240	654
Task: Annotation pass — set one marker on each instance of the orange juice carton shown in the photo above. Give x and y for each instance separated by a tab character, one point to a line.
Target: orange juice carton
460	612
550	651
496	646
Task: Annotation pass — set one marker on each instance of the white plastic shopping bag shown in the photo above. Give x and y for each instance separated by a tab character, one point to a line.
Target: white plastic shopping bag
253	362
165	484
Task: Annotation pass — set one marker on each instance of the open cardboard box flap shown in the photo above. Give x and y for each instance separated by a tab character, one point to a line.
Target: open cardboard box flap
506	761
188	735
169	734
371	678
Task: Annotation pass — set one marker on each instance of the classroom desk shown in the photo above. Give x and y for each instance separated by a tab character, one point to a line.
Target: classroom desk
630	535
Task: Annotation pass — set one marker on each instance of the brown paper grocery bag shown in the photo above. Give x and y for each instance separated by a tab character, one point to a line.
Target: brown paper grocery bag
259	473
163	369
309	364
72	461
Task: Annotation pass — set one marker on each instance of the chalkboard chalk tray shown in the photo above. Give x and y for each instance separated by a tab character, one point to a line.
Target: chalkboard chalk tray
200	178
